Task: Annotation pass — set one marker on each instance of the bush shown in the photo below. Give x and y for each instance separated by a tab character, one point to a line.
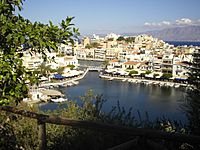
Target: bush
133	72
71	67
22	132
167	75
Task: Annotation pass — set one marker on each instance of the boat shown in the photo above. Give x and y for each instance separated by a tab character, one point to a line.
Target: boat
110	79
123	80
57	100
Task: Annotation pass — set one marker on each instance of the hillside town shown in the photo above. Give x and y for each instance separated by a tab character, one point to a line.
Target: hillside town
138	55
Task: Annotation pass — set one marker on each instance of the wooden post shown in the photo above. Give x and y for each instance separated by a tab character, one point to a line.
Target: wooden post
41	135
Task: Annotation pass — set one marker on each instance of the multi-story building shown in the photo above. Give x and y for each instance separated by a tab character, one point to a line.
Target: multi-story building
100	54
156	63
167	63
32	61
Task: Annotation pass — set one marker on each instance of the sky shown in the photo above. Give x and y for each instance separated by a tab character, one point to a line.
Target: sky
118	16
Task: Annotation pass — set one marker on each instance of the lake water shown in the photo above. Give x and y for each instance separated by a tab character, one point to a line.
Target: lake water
157	101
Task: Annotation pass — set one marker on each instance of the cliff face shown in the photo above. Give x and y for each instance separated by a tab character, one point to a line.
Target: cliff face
188	33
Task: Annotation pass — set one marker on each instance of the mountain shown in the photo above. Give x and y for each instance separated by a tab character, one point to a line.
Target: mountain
187	33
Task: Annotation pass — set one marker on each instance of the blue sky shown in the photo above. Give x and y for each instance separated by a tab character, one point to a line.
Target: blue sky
119	16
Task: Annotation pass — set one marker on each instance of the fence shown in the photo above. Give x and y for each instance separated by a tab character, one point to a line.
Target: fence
147	133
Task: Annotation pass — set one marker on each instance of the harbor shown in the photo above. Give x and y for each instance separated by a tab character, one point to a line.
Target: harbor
158	101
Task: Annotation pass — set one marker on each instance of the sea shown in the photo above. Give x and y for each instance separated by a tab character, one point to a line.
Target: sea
183	43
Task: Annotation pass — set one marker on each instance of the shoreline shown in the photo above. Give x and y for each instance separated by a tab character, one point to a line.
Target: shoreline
64	82
123	79
145	81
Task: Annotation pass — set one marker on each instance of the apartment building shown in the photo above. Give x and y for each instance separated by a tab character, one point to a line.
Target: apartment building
167	63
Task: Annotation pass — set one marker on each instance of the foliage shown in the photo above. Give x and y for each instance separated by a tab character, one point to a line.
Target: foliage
16	36
121	38
71	67
192	106
192	109
127	40
92	45
44	69
88	46
155	75
133	72
60	70
110	39
142	74
148	72
22	132
130	39
166	75
105	63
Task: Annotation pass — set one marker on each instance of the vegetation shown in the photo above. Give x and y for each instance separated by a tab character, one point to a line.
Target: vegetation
21	133
110	39
148	72
17	132
71	67
132	72
121	38
60	70
142	75
166	76
105	63
43	69
127	40
17	35
92	45
130	39
192	106
155	75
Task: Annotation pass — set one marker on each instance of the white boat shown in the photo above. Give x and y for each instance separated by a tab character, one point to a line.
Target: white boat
176	85
110	79
123	80
75	82
56	100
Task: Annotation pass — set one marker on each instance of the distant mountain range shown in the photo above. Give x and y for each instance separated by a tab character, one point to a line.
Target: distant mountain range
187	33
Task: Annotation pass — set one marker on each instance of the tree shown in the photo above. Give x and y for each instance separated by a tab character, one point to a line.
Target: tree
130	39
88	46
121	38
95	45
192	106
44	69
18	34
148	72
133	72
71	67
60	70
105	63
167	75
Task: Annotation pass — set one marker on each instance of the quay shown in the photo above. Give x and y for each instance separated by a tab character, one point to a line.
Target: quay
64	82
145	81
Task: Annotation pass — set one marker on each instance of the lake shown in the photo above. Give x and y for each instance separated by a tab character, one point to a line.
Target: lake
157	101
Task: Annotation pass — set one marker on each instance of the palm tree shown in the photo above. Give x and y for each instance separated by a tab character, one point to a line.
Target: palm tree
44	69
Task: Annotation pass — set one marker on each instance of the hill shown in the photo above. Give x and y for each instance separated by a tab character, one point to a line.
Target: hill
187	33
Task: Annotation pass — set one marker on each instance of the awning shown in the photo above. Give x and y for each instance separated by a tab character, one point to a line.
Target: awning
58	76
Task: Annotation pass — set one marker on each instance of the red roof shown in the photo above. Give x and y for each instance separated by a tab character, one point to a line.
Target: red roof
114	60
131	63
183	63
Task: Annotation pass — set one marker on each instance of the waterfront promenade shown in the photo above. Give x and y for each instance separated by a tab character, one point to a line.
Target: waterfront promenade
145	81
66	81
107	77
